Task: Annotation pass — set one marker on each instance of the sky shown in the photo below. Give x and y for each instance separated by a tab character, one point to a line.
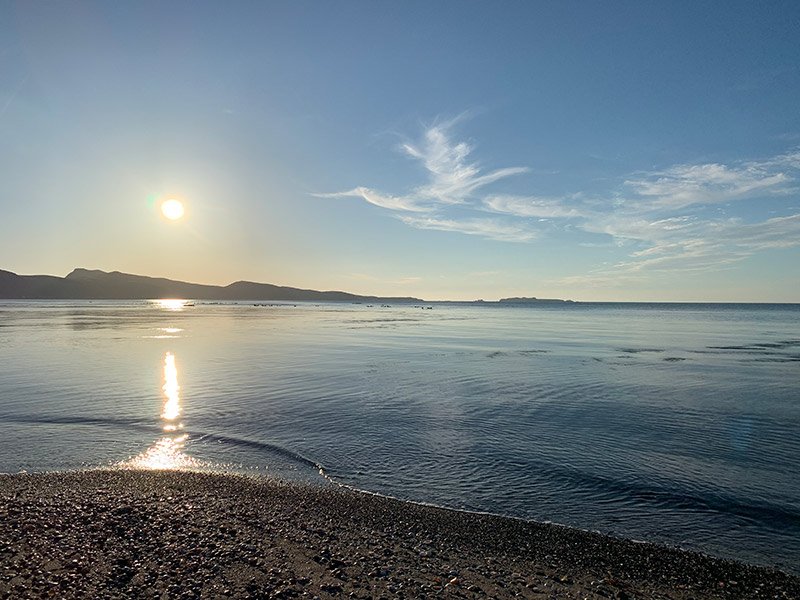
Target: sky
615	151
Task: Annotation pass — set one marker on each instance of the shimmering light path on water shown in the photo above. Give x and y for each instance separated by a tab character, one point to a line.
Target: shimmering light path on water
167	452
670	423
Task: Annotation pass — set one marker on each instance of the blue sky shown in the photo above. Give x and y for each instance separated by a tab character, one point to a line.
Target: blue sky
446	150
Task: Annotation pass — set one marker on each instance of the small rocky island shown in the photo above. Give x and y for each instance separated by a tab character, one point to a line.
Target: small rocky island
532	300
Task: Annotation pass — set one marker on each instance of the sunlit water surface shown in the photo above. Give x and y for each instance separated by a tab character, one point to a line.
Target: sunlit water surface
669	423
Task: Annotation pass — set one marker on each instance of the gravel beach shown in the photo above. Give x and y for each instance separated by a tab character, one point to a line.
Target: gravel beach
144	534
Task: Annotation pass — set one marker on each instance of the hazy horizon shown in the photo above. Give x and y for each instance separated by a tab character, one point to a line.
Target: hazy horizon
378	296
455	151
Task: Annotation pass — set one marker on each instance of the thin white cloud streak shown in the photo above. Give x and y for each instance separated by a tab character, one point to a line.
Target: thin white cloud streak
488	228
669	241
780	232
526	206
406	281
656	212
685	185
777	232
692	256
403	203
624	227
452	180
715	245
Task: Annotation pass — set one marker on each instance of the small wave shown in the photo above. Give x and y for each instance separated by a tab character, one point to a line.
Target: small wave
78	420
766	514
256	445
386	320
499	353
751	348
781	344
780	359
639	350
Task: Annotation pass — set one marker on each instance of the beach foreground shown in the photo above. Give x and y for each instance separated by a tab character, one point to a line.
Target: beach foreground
140	534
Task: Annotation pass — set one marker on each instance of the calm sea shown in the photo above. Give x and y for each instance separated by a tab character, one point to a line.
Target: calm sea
677	424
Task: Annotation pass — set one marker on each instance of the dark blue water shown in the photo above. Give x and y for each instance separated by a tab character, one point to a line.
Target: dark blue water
670	423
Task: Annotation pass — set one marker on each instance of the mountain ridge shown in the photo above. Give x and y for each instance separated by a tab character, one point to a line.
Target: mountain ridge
94	284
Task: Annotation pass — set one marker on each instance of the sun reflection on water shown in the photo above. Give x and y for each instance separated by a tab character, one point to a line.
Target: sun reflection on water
167	453
167	333
174	304
172	407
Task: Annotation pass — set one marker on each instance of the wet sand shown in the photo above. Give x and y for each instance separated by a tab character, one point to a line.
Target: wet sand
138	534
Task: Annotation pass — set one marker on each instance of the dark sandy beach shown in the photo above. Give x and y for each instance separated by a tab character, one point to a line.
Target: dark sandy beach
131	534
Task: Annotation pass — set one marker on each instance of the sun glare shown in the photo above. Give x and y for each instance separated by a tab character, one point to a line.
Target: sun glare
172	209
167	453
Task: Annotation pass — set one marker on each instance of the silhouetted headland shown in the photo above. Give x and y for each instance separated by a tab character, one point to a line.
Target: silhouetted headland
85	284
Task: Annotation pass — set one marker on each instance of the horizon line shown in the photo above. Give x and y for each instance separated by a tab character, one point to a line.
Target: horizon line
507	300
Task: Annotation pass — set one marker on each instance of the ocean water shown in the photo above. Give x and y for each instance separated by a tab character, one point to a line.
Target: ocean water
678	424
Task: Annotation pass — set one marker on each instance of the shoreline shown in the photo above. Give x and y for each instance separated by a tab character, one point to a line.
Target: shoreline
331	481
171	534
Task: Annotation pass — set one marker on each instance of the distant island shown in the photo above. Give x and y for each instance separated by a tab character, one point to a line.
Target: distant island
529	300
85	284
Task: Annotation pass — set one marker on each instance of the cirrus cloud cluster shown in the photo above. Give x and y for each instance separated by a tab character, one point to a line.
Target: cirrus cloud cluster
663	216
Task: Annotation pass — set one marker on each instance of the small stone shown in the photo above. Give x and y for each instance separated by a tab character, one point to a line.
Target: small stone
52	565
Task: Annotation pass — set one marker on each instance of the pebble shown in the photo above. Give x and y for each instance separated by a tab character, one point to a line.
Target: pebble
116	534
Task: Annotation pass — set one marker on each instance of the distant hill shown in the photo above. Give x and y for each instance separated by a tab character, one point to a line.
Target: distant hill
85	284
529	300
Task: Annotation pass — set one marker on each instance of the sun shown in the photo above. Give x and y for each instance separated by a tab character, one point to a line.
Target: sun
172	209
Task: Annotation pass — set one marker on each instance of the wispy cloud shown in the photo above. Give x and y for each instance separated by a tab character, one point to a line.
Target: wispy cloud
780	232
684	185
404	203
660	215
697	246
526	206
488	228
406	280
452	181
